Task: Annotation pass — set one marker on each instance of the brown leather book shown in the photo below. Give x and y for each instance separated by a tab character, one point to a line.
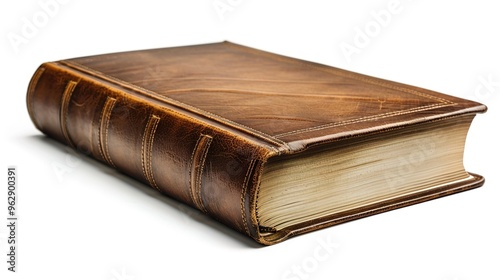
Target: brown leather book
269	145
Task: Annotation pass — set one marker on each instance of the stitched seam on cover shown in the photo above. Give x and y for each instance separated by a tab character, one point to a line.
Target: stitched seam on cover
380	131
103	129
243	196
150	152
257	202
363	119
200	173
196	169
142	90
147	149
191	191
63	117
108	118
31	91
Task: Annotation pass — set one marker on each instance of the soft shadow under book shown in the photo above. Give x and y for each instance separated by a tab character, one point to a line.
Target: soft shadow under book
269	145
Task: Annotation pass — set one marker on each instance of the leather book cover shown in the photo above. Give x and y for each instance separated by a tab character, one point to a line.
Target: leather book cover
199	123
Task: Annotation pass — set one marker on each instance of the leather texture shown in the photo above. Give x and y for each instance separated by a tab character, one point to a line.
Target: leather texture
198	123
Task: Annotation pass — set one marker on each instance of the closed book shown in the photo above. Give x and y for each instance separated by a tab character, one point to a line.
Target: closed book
269	145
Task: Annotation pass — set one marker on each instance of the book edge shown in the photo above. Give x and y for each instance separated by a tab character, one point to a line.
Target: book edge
285	148
451	188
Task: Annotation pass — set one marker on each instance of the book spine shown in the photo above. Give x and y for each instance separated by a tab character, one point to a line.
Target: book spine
184	156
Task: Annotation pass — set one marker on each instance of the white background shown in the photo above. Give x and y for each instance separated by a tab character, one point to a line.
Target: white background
79	219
